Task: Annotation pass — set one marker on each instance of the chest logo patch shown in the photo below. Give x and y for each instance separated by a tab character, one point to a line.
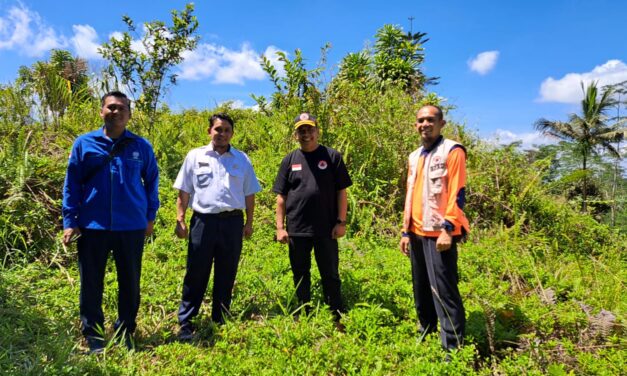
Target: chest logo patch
135	155
297	167
322	165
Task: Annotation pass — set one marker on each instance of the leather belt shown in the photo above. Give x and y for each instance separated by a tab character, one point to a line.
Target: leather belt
224	214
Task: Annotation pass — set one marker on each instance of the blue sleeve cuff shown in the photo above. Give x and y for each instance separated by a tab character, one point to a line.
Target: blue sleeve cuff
448	226
151	215
69	223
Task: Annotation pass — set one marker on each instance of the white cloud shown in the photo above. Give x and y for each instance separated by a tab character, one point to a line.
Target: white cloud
234	103
14	28
239	104
224	65
239	66
505	137
23	30
484	62
568	88
200	63
271	54
85	42
136	44
45	40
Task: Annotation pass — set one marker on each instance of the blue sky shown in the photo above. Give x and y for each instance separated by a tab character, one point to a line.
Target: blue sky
502	64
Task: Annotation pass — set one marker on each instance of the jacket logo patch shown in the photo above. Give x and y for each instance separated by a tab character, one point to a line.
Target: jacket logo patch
297	167
135	155
437	166
203	164
322	165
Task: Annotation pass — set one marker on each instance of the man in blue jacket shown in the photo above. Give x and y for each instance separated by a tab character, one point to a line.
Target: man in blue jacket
110	200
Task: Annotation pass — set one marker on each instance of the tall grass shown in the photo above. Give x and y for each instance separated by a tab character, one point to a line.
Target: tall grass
536	275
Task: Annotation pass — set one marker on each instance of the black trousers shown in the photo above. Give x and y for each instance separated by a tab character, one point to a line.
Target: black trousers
213	239
327	258
435	278
94	247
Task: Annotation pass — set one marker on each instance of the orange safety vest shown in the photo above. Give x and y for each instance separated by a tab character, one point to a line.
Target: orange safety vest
433	183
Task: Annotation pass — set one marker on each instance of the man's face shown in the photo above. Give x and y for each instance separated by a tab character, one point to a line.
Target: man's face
221	133
307	135
429	124
115	111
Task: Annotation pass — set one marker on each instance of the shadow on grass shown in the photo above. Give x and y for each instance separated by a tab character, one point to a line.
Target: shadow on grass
207	333
267	299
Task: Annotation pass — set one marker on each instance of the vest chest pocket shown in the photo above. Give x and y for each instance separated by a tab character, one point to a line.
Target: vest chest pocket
202	176
437	178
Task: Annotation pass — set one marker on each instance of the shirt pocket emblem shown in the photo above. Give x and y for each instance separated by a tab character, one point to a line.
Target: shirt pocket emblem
203	176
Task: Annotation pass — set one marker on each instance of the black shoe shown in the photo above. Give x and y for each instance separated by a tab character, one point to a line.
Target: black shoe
340	327
125	338
129	341
96	344
447	358
186	333
423	332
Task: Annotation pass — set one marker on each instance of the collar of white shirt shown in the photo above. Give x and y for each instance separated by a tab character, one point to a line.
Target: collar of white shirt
210	146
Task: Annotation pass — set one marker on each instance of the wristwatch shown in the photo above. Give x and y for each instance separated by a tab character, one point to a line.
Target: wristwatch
340	222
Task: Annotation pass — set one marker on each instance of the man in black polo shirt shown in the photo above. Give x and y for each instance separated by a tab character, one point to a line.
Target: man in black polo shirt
311	192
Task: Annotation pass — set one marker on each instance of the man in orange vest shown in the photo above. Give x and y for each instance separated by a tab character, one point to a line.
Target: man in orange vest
433	223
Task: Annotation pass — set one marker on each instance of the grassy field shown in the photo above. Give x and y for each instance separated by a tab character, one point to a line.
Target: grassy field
529	312
542	283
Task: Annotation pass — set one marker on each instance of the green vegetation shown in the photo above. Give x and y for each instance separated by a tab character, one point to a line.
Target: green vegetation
543	283
588	131
145	73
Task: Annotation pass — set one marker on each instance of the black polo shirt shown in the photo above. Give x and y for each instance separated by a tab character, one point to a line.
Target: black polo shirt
310	181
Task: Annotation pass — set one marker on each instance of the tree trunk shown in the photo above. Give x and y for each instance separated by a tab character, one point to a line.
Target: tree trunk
584	204
614	183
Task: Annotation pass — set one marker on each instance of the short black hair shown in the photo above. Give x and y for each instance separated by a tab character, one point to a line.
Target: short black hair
222	116
118	94
439	113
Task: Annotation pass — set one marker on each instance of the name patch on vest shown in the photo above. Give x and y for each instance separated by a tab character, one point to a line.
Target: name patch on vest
436	164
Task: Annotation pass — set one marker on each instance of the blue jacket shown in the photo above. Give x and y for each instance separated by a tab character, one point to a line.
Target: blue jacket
123	195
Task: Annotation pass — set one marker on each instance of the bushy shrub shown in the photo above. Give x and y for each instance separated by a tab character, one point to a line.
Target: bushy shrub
505	190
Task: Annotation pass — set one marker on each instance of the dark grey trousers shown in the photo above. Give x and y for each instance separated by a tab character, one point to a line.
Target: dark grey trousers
435	278
213	240
94	247
327	258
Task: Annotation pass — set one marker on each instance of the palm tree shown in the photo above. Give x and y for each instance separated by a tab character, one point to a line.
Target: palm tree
619	89
57	83
398	58
589	132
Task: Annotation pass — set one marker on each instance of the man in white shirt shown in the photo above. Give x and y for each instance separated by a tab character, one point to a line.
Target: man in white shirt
218	182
